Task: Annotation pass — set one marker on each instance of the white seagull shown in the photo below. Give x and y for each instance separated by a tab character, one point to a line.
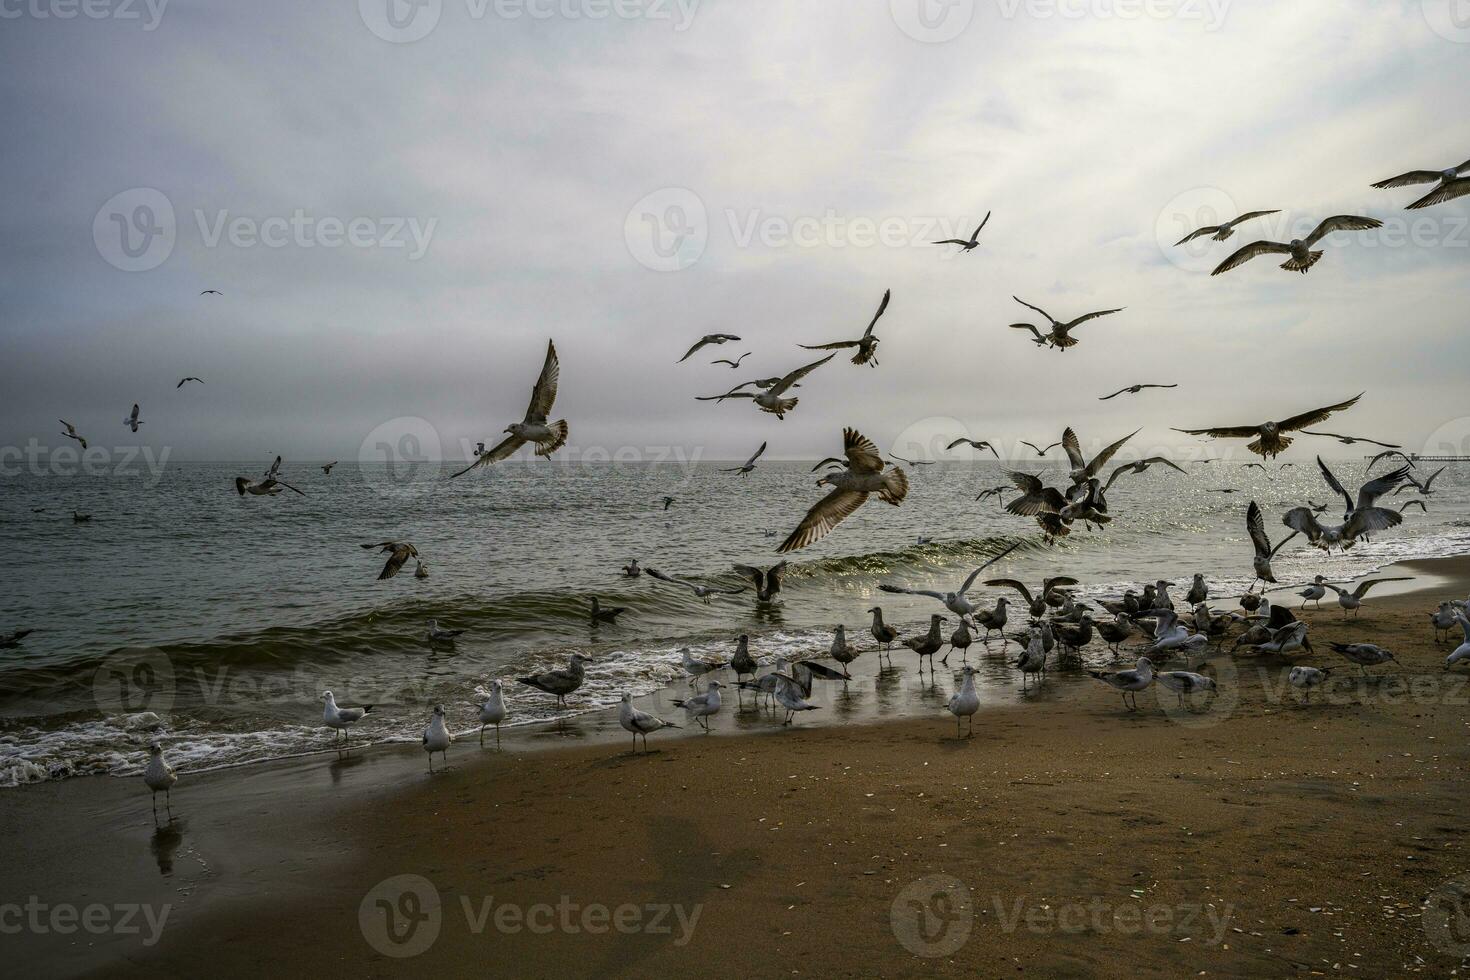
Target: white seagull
437	737
159	776
132	421
965	702
548	436
641	722
339	719
957	602
493	711
698	708
865	474
1129	682
1451	184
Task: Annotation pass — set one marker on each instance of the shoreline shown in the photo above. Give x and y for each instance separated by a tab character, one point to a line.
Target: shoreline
289	849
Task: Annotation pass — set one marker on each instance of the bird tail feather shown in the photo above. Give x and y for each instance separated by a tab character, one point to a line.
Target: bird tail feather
895	487
559	438
1292	265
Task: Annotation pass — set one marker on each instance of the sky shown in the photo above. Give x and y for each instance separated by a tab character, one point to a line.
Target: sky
401	202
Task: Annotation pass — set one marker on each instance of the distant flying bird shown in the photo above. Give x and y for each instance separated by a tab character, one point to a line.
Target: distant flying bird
1349	440
398	553
327	467
1361	517
851	486
71	433
1060	335
267	486
189	378
913	462
132	421
748	465
733	364
1300	249
1451	184
1423	486
958	601
974	444
211	292
705	341
548	436
967	244
1140	466
1388	452
1223	231
770	400
1255	526
867	344
1268	436
1039	450
1133	390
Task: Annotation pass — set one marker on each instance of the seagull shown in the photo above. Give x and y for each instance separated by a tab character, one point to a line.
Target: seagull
1286	639
928	644
961	639
1349	440
1114	633
1255	526
1306	678
698	708
1033	659
974	444
1039	450
1361	516
437	737
1199	590
1354	599
733	364
913	462
705	341
493	711
788	695
1461	652
965	702
993	619
741	662
767	582
770	399
327	467
13	639
548	436
189	378
1170	634
840	650
132	421
1223	231
608	615
1185	682
77	518
398	553
71	433
420	570
1300	249
1389	452
748	465
1133	390
974	239
338	719
867	344
159	777
1270	438
700	591
1314	592
1128	682
267	486
1082	470
851	486
668	502
1451	184
997	492
1036	606
882	632
698	668
640	722
958	601
559	683
211	292
436	635
1060	335
1423	486
1365	655
632	569
1441	620
1140	466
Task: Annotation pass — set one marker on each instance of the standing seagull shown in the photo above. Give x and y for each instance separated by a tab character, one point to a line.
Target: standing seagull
559	683
548	436
1270	438
1360	518
1255	526
493	711
1133	390
867	344
1223	231
1300	249
437	737
1129	682
1060	335
639	722
132	421
748	465
928	644
967	244
1354	600
851	486
71	433
1451	184
189	378
883	633
698	708
770	399
159	776
705	341
957	602
767	582
965	702
338	719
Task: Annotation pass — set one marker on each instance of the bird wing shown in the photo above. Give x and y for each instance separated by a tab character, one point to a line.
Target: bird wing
1073	448
798	374
952	241
1249	215
504	449
900	590
883	306
754	574
1245	253
969	582
1408	178
1114	394
697	345
1363	587
751	460
1316	416
1448	192
1302	519
545	391
824	515
1036	308
1255	526
1013	584
1282	543
1092	316
862	455
1332	482
980	227
829	459
1340	222
774	574
655	573
1369	493
1032	328
968	442
1207	230
1225	432
1167	462
835	345
1101	459
1368	519
401	554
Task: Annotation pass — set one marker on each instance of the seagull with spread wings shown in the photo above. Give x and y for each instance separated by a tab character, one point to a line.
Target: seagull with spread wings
1270	438
548	436
705	341
733	364
1361	517
1451	184
398	553
770	400
1223	231
1082	470
1039	450
189	378
1035	604
1139	467
748	465
1133	390
700	591
132	421
958	601
974	240
1255	526
1060	335
267	486
71	433
767	581
867	344
851	486
1300	249
1349	440
973	444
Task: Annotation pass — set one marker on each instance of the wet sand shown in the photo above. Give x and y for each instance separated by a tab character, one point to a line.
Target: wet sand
1249	836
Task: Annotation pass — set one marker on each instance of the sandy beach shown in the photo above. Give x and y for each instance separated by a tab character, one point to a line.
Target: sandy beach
1247	836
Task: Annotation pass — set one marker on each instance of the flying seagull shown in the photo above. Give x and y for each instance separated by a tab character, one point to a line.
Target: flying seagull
974	444
706	340
1451	184
189	378
1133	390
1223	231
767	582
1255	526
702	591
1035	604
770	400
964	244
132	421
399	552
548	437
1039	450
1349	440
733	364
1139	467
211	292
913	462
867	344
1060	335
958	601
851	486
1082	470
267	486
1300	249
71	432
1360	517
327	467
748	465
1268	436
